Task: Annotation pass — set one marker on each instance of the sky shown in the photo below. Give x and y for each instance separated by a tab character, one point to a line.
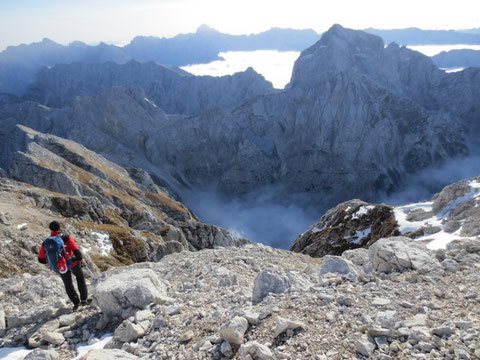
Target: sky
119	21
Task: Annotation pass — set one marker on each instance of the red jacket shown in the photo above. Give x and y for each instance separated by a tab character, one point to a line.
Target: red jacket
71	249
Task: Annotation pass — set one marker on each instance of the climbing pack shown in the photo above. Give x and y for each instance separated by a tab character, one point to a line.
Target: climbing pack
54	247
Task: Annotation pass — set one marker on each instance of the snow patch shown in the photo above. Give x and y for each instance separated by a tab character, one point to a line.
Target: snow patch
9	353
437	240
22	226
362	210
317	229
104	243
472	194
150	102
361	234
83	349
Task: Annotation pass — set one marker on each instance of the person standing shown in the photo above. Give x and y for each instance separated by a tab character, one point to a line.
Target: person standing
74	256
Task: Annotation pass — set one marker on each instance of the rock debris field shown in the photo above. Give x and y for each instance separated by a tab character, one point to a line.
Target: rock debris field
396	300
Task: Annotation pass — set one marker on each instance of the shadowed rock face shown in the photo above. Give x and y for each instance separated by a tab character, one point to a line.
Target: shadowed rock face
347	226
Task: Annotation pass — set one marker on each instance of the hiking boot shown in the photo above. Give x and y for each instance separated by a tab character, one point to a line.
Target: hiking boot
75	307
86	302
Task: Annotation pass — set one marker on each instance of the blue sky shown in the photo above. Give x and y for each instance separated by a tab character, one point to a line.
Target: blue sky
118	21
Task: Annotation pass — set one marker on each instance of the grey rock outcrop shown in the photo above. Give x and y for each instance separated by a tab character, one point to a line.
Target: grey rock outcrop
349	225
136	288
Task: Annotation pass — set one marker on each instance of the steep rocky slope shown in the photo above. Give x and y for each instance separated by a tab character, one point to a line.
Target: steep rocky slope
172	89
120	216
453	213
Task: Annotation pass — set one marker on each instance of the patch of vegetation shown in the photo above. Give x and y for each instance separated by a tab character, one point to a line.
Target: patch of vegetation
106	262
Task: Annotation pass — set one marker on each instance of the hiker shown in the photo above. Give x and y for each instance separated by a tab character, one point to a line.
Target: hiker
65	259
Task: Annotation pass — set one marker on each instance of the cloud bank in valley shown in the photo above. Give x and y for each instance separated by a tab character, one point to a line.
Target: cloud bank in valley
270	215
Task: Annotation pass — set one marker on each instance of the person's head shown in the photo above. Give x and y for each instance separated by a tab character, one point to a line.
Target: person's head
54	226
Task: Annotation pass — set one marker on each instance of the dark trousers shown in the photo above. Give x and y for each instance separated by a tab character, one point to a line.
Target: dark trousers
82	286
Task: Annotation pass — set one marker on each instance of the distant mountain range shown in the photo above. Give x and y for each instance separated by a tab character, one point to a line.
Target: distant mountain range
357	119
19	64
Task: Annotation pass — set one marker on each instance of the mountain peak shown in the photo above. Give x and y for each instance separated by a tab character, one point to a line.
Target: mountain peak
338	34
204	28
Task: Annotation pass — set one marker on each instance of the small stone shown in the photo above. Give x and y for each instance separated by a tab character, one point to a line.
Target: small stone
256	351
284	324
54	338
425	347
365	346
380	302
377	331
234	330
386	319
187	336
345	301
252	317
226	349
443	331
331	317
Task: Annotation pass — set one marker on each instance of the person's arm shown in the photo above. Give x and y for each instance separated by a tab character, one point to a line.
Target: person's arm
76	250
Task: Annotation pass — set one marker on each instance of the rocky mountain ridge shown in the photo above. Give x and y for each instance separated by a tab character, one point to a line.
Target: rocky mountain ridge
359	117
175	91
19	64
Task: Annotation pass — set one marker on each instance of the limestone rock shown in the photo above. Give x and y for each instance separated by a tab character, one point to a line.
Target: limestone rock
268	282
40	354
132	287
233	330
365	346
402	254
256	351
129	331
339	265
284	324
114	354
54	338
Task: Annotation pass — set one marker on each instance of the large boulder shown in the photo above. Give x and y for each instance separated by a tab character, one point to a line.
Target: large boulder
400	254
113	354
136	288
339	265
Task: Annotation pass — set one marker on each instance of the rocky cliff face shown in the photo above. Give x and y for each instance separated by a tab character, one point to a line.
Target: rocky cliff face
173	90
